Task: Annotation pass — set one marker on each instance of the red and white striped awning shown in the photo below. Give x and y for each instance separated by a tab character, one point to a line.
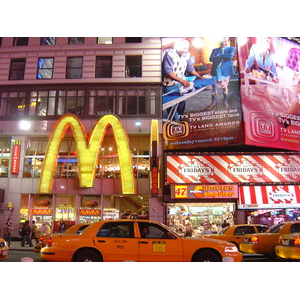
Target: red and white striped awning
277	196
218	169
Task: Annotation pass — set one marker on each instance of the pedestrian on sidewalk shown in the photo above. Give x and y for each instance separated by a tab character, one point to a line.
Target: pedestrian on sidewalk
25	234
33	231
8	228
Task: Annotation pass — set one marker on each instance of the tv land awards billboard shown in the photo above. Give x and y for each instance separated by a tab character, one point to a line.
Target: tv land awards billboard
248	93
198	112
270	91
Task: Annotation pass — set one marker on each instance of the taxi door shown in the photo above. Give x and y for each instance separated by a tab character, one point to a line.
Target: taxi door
116	242
157	244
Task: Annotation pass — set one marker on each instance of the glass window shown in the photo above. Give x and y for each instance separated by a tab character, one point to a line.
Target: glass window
104	40
133	39
76	40
132	102
17	69
74	67
116	229
45	68
133	66
154	231
275	228
295	228
71	102
103	67
21	41
42	103
48	40
101	102
5	145
242	230
13	104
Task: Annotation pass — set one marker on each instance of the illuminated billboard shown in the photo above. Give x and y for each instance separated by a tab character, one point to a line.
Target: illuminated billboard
87	149
270	91
201	100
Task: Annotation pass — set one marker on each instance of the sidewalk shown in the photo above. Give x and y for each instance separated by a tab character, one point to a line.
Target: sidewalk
16	245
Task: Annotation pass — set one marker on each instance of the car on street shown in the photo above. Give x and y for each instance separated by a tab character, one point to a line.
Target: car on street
135	240
235	233
289	246
78	228
265	243
3	249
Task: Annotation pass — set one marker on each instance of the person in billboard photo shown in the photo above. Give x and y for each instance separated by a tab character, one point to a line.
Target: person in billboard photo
222	69
175	65
262	53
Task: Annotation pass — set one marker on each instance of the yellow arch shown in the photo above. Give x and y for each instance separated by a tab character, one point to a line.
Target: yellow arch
87	151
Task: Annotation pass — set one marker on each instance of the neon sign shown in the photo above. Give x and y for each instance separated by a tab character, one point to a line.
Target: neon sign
87	151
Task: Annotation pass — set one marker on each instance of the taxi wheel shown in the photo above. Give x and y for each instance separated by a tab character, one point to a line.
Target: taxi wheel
207	256
87	255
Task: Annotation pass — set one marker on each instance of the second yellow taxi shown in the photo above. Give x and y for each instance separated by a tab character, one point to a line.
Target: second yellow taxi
235	233
265	243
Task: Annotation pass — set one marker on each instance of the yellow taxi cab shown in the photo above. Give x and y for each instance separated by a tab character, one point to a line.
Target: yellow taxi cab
78	228
235	233
265	243
135	240
3	249
289	246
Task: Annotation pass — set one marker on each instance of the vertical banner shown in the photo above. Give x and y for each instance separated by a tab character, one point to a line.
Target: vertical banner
270	91
15	159
201	98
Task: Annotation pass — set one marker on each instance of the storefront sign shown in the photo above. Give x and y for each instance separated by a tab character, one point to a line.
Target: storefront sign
87	152
15	158
277	196
204	191
41	211
262	168
90	212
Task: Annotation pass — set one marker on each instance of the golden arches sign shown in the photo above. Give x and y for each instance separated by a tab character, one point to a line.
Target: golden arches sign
87	152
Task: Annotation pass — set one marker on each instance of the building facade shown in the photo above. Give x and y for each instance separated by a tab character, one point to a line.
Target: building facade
44	79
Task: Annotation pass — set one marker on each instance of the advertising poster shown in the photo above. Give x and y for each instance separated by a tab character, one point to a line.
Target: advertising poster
270	91
201	97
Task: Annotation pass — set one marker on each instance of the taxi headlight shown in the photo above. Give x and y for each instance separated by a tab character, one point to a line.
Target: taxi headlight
231	249
2	244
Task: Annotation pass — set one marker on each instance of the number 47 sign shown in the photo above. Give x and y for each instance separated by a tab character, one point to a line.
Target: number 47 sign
180	191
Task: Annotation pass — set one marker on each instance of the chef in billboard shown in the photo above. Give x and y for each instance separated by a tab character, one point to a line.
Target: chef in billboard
176	63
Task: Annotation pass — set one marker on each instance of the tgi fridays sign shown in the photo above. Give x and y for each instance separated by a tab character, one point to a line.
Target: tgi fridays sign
218	169
204	191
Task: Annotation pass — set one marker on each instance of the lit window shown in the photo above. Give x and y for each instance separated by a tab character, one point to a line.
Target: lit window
48	41
45	68
104	40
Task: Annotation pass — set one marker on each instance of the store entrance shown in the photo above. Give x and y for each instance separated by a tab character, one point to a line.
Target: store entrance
202	216
40	221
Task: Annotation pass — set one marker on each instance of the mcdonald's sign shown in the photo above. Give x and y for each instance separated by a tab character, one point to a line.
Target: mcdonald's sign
87	148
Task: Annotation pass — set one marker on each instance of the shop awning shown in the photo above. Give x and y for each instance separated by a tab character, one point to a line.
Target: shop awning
277	196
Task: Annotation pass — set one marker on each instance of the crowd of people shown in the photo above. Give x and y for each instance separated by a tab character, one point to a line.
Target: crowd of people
28	232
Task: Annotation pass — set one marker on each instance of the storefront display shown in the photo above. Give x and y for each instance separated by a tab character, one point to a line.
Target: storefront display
199	214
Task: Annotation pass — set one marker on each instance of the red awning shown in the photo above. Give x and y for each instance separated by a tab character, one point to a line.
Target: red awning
275	196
